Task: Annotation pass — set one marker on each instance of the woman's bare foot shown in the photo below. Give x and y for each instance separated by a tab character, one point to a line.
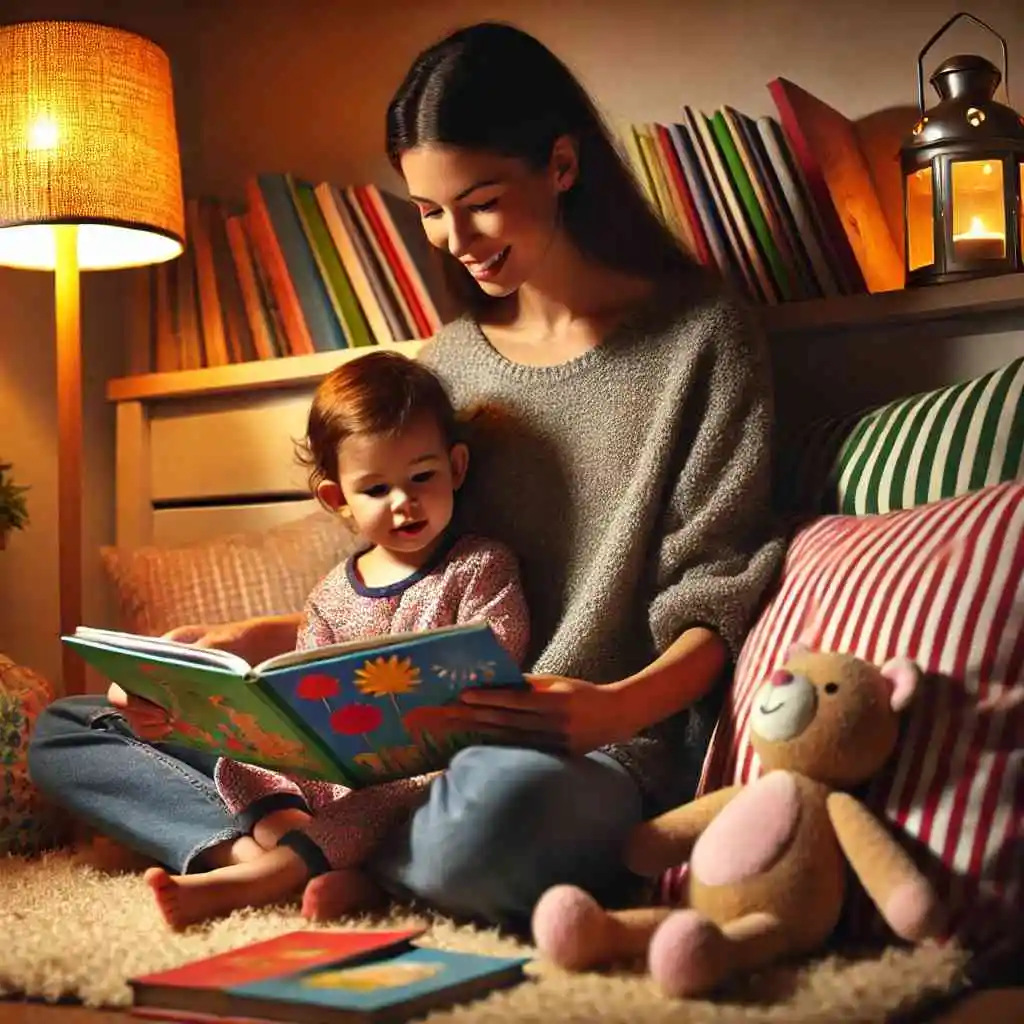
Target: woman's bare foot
340	893
186	899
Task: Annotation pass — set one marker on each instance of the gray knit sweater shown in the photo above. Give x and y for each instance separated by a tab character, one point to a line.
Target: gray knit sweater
633	484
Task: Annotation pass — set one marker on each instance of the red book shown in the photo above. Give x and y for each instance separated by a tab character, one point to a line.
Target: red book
827	148
286	954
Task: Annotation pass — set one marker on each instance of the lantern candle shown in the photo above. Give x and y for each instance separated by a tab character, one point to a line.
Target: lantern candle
963	168
979	244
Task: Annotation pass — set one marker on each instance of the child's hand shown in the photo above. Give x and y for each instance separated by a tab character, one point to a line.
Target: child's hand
148	721
253	639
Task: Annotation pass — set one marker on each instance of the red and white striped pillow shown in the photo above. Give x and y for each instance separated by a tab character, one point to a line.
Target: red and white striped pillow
942	584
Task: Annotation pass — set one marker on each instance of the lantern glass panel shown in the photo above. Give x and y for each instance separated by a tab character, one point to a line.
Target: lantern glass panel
979	217
1020	209
920	219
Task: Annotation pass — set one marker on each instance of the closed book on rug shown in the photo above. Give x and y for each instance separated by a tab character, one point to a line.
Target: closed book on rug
357	713
395	981
197	984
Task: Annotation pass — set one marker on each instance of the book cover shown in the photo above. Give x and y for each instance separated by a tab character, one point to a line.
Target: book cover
397	985
826	145
258	961
357	713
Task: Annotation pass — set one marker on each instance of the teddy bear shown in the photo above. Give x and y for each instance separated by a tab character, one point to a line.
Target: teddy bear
767	862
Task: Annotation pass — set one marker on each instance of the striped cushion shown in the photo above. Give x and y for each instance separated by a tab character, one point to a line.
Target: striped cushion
916	450
942	584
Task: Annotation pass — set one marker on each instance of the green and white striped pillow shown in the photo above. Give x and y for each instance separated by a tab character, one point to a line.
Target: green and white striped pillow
911	452
937	445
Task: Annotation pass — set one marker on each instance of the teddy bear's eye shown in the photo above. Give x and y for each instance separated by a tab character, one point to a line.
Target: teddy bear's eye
831	687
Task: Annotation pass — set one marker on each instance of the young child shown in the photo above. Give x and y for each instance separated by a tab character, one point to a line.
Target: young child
382	450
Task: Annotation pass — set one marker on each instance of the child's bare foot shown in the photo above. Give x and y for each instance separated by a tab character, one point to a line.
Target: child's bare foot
187	899
232	851
340	893
268	831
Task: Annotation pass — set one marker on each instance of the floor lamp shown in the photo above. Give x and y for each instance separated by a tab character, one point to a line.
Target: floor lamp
90	179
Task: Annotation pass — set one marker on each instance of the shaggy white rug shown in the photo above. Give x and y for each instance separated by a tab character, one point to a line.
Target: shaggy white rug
73	931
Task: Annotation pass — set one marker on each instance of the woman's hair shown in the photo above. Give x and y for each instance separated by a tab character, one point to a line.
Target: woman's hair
492	87
379	393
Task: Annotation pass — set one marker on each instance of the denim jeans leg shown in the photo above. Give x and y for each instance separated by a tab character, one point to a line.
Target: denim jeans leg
501	825
158	799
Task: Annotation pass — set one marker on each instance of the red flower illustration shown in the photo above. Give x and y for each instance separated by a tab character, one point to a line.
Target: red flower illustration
357	720
317	687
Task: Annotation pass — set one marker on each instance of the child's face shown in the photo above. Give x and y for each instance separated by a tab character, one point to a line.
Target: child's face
400	490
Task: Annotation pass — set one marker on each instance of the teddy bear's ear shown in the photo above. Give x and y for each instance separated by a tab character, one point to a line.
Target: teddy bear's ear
796	648
905	677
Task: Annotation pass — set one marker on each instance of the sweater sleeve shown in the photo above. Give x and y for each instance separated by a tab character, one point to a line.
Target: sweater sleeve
494	594
716	553
314	628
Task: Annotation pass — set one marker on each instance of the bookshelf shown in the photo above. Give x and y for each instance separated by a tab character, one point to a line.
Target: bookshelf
287	371
912	305
961	300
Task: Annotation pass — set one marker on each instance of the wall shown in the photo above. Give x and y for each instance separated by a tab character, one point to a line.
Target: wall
302	86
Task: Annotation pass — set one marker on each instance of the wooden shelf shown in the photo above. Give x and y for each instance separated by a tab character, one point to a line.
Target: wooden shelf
939	302
935	302
292	371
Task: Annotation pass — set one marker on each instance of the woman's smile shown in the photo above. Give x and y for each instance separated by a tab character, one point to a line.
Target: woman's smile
490	267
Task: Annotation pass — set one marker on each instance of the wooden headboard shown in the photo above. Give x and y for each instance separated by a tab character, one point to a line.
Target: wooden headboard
207	452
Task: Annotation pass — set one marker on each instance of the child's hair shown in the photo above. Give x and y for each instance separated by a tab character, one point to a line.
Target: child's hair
492	87
378	393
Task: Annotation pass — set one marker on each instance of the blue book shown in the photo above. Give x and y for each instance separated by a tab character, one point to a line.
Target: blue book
358	713
395	987
325	328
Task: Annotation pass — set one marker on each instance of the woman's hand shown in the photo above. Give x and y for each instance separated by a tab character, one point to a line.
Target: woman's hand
566	716
255	640
148	721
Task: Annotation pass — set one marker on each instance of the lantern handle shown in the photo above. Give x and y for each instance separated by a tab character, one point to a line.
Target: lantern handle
935	38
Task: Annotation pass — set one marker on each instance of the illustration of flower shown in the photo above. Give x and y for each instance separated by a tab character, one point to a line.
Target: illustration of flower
318	686
470	672
357	720
388	677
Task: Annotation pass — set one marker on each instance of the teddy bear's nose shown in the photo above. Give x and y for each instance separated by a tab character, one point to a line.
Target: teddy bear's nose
780	677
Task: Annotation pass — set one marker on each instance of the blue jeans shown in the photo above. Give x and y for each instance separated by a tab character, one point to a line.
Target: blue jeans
499	827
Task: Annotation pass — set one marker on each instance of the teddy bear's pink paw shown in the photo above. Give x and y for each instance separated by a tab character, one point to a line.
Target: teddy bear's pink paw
570	928
913	912
688	955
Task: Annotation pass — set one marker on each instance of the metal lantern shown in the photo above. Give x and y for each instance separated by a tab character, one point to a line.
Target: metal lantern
963	173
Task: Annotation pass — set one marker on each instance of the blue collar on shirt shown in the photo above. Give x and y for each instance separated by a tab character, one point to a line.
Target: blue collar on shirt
399	586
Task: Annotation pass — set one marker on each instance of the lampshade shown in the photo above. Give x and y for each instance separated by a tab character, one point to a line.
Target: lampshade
87	137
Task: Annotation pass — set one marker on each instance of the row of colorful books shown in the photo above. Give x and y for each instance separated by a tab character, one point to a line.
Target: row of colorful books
785	211
301	269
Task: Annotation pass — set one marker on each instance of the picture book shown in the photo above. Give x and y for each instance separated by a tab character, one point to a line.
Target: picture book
355	713
391	984
258	961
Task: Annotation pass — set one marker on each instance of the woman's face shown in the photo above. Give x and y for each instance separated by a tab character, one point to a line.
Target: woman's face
494	214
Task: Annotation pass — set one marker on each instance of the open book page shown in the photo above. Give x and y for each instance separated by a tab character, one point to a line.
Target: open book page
213	701
160	648
376	643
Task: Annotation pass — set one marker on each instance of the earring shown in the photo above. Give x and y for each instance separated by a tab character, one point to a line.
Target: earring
345	512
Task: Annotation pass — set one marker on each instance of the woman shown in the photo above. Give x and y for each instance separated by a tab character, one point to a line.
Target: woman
621	414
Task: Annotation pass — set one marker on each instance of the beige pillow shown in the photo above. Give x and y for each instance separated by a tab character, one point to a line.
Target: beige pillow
231	577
